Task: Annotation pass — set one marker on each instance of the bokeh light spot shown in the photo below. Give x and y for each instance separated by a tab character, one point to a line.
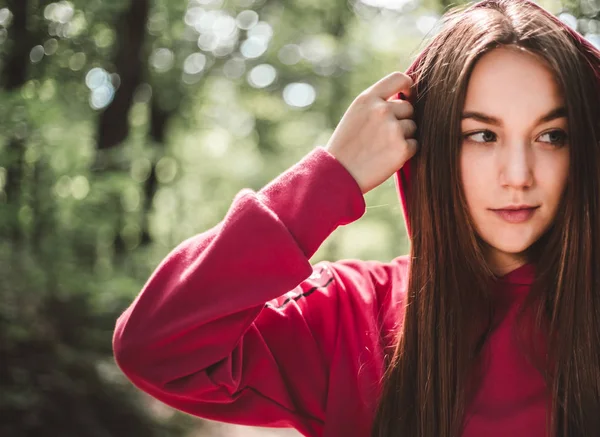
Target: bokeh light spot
299	95
50	46
162	59
194	63
77	61
262	76
569	20
166	169
36	54
5	17
253	47
80	187
102	96
246	19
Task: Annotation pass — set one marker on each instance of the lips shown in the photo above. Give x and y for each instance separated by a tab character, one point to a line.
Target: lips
516	214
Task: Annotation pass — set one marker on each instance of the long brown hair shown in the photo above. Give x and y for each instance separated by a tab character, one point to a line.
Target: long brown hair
432	372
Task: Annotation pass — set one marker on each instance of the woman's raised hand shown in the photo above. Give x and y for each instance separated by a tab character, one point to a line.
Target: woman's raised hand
375	137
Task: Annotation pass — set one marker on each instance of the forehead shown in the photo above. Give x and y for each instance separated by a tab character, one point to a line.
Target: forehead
510	78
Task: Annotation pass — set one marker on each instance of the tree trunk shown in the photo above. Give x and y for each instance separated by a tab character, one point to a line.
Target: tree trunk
113	126
14	73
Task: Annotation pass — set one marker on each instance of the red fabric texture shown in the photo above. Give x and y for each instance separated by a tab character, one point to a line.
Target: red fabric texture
236	325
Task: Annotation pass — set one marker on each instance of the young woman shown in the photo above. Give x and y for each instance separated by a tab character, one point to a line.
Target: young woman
491	327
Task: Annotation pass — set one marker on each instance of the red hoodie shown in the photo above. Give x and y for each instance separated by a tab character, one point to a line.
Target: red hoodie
236	325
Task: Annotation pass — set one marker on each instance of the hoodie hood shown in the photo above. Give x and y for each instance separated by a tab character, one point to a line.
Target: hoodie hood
404	175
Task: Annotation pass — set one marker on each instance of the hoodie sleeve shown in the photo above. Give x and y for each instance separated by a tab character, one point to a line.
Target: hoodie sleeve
235	324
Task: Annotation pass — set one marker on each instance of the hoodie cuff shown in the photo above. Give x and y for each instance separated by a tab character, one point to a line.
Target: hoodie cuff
313	198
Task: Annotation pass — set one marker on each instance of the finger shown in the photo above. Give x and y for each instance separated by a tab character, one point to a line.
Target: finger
391	84
408	128
411	146
401	109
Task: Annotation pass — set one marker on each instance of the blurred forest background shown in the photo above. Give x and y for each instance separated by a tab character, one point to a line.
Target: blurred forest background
127	126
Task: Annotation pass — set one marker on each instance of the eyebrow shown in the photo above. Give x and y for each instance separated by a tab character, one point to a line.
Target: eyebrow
484	118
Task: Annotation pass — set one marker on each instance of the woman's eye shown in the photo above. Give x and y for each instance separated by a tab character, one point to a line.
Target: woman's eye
484	136
556	137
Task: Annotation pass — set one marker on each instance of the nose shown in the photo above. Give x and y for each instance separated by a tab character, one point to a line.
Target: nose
516	169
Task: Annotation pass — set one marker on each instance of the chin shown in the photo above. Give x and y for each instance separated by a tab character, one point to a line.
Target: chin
511	249
510	243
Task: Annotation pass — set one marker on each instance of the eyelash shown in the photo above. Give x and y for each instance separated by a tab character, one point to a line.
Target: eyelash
560	143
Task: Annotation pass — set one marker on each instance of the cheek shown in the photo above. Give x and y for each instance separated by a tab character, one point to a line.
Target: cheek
553	174
475	175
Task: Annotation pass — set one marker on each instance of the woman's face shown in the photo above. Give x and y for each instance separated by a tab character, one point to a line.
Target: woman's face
515	153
